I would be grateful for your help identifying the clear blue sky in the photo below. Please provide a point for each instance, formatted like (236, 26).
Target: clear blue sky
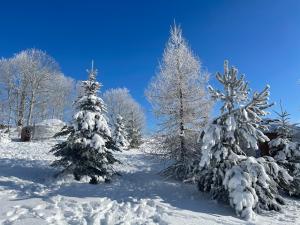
(126, 39)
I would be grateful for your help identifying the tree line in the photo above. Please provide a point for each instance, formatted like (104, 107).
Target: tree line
(33, 88)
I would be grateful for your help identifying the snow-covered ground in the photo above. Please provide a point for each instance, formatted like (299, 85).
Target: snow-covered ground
(30, 195)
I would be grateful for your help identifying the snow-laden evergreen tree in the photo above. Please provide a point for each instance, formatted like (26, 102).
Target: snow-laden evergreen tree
(88, 150)
(120, 102)
(134, 132)
(120, 134)
(284, 150)
(179, 99)
(247, 183)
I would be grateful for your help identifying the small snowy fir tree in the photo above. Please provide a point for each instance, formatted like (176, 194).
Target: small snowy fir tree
(134, 133)
(284, 150)
(88, 148)
(247, 183)
(120, 134)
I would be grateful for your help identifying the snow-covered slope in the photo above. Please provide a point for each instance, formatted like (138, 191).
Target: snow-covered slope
(30, 195)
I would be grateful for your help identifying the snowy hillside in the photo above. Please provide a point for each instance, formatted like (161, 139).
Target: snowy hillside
(30, 195)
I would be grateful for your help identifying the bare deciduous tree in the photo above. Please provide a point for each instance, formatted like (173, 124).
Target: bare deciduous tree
(178, 96)
(37, 69)
(33, 86)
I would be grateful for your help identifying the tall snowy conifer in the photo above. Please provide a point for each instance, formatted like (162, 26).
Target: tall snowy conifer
(249, 184)
(178, 97)
(88, 149)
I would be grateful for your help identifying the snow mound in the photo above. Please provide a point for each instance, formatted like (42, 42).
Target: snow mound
(47, 129)
(4, 138)
(51, 122)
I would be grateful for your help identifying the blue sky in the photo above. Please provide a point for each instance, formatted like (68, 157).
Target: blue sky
(126, 39)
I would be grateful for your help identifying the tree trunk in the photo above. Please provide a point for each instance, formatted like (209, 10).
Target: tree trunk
(32, 101)
(9, 110)
(21, 109)
(182, 147)
(181, 125)
(53, 113)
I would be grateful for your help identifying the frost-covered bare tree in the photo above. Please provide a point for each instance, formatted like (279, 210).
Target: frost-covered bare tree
(8, 78)
(60, 95)
(120, 102)
(38, 69)
(33, 86)
(178, 96)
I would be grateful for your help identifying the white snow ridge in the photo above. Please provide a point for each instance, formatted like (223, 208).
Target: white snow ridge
(47, 128)
(29, 194)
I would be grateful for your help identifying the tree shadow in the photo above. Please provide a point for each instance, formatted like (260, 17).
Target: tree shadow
(35, 179)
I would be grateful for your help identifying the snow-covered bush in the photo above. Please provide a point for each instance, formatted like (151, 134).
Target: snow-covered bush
(88, 148)
(284, 150)
(253, 184)
(120, 134)
(248, 184)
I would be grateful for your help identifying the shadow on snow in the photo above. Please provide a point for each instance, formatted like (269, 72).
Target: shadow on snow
(34, 179)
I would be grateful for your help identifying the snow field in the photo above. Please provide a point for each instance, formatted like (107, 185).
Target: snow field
(30, 195)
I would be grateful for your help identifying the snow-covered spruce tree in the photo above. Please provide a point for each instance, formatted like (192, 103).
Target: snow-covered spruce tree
(179, 100)
(88, 148)
(134, 132)
(120, 102)
(225, 171)
(120, 134)
(284, 150)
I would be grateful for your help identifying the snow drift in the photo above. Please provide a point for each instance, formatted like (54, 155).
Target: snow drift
(47, 129)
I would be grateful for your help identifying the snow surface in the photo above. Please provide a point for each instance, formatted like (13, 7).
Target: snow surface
(30, 195)
(4, 137)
